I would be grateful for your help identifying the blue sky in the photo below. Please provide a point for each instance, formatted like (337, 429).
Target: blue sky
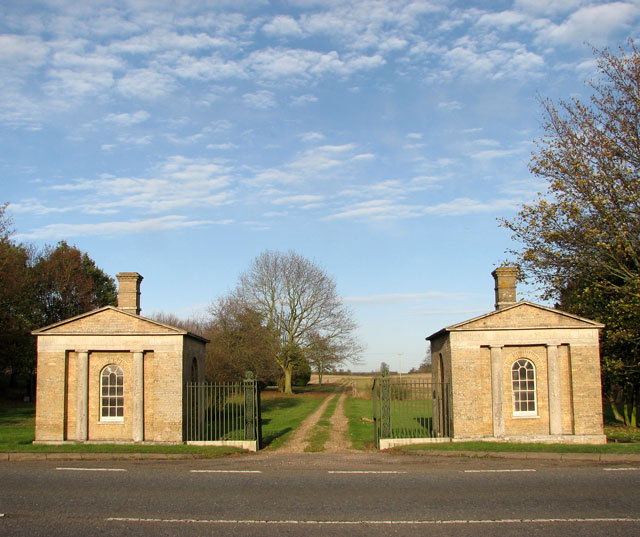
(381, 139)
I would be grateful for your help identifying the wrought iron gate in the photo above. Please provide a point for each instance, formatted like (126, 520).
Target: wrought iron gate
(224, 414)
(410, 411)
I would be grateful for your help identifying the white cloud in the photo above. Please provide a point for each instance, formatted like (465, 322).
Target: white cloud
(450, 105)
(312, 136)
(151, 225)
(592, 24)
(177, 183)
(261, 100)
(66, 83)
(502, 20)
(20, 51)
(275, 63)
(126, 119)
(206, 68)
(145, 84)
(462, 206)
(83, 60)
(489, 154)
(377, 210)
(510, 60)
(387, 209)
(284, 25)
(547, 7)
(302, 199)
(161, 39)
(301, 100)
(223, 146)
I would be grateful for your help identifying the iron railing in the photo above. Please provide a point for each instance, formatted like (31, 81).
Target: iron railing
(223, 412)
(408, 408)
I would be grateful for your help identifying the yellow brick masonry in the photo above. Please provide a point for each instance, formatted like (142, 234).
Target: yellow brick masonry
(112, 337)
(537, 334)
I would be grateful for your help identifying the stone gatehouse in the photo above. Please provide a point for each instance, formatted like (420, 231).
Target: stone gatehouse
(111, 375)
(523, 372)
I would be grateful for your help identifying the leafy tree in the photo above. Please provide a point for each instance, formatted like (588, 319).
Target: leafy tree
(16, 343)
(297, 300)
(41, 288)
(581, 239)
(240, 342)
(66, 283)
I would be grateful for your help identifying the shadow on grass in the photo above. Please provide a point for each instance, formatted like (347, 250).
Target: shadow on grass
(268, 439)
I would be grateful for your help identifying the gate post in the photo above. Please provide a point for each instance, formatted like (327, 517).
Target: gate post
(385, 406)
(374, 398)
(250, 414)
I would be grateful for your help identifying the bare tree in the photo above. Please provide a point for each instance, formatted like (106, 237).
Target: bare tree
(325, 355)
(298, 301)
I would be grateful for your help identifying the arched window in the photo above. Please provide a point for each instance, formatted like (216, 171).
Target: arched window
(194, 370)
(523, 381)
(112, 394)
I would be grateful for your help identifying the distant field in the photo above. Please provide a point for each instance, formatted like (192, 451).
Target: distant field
(360, 385)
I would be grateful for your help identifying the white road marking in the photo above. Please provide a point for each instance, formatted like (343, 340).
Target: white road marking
(630, 469)
(92, 469)
(376, 522)
(226, 471)
(366, 472)
(498, 471)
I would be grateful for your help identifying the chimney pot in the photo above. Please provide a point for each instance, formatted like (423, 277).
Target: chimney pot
(129, 292)
(505, 278)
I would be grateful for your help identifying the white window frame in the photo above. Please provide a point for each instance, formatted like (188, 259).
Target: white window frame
(109, 392)
(524, 386)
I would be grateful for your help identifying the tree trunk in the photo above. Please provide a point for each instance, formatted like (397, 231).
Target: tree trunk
(288, 373)
(614, 408)
(320, 371)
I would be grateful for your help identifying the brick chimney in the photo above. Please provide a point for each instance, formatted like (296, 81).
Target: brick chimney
(129, 292)
(505, 278)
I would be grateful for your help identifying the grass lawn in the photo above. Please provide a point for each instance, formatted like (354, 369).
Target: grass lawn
(17, 422)
(536, 448)
(281, 414)
(322, 431)
(360, 430)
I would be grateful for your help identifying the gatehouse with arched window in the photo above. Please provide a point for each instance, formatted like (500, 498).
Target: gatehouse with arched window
(523, 372)
(111, 375)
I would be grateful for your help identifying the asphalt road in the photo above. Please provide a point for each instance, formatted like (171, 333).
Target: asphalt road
(318, 494)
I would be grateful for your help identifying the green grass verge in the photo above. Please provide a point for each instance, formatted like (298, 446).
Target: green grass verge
(535, 448)
(17, 425)
(360, 430)
(322, 431)
(282, 414)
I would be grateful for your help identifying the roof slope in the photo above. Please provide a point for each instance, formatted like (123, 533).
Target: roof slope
(522, 316)
(110, 320)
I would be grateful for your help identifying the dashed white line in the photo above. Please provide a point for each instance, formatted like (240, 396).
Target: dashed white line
(376, 522)
(70, 469)
(629, 469)
(498, 471)
(366, 472)
(226, 471)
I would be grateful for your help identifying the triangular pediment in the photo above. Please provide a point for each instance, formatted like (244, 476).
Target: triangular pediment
(523, 315)
(106, 321)
(526, 315)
